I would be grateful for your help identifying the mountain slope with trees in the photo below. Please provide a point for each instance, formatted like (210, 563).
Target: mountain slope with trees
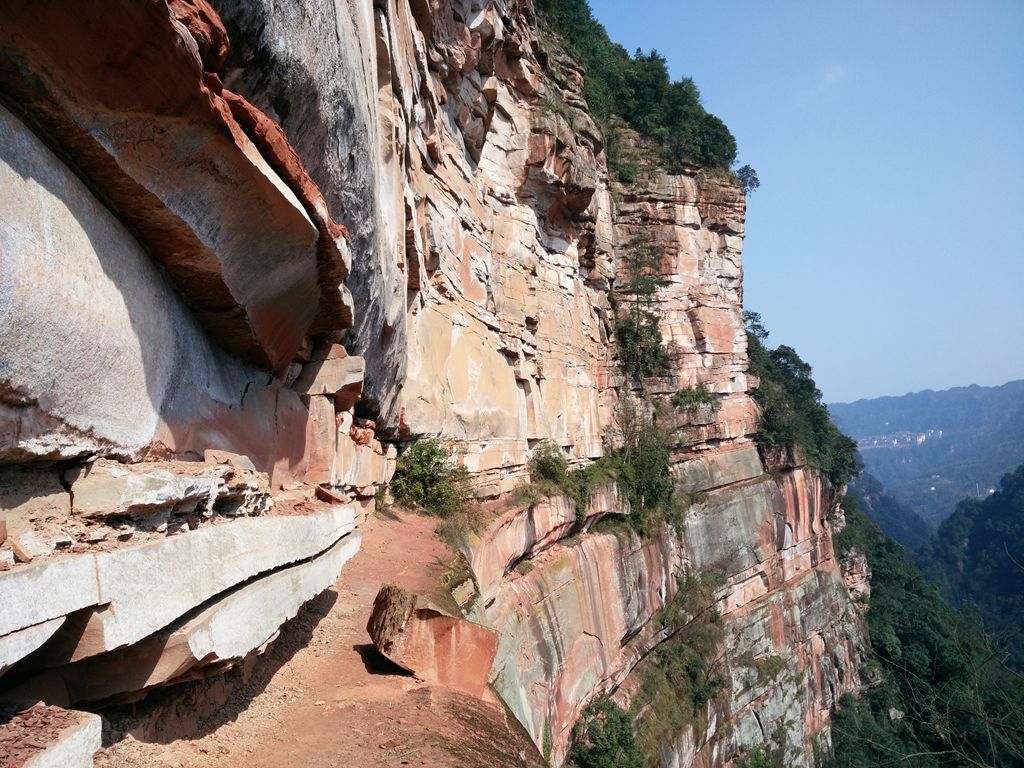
(977, 558)
(952, 444)
(937, 692)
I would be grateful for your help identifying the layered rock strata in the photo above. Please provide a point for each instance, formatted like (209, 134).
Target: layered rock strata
(191, 190)
(181, 464)
(582, 618)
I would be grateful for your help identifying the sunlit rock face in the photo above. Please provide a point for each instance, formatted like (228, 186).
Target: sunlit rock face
(174, 407)
(245, 241)
(582, 617)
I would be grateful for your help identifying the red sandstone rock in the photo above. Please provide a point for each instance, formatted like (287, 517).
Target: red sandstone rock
(361, 436)
(206, 28)
(434, 646)
(130, 106)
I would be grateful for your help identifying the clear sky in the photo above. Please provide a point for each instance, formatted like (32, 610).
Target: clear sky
(886, 243)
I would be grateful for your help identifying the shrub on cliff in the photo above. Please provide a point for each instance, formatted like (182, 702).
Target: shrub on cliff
(792, 413)
(940, 694)
(428, 477)
(603, 738)
(689, 398)
(548, 464)
(642, 350)
(640, 90)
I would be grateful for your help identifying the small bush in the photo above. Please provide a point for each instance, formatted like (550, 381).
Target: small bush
(681, 675)
(689, 398)
(641, 345)
(429, 478)
(603, 738)
(548, 463)
(759, 757)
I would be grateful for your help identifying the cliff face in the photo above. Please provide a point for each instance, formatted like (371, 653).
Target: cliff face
(200, 202)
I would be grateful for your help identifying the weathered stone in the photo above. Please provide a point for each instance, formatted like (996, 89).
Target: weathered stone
(146, 137)
(321, 442)
(206, 29)
(220, 632)
(718, 469)
(20, 643)
(35, 593)
(108, 488)
(154, 377)
(530, 529)
(197, 566)
(78, 739)
(342, 378)
(430, 643)
(231, 459)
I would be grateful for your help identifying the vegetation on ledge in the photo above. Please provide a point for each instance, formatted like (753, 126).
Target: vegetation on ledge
(428, 477)
(793, 415)
(940, 695)
(689, 398)
(638, 89)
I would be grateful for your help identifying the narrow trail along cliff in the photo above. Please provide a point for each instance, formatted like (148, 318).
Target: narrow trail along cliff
(266, 264)
(324, 698)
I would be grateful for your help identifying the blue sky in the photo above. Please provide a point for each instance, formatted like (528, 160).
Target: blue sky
(886, 243)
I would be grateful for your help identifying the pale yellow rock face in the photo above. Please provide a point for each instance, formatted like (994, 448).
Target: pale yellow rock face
(512, 239)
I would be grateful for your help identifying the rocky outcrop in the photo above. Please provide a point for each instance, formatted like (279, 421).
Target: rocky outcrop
(420, 636)
(243, 242)
(581, 618)
(181, 466)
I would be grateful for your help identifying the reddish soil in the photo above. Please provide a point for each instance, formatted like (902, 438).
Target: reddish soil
(321, 696)
(26, 733)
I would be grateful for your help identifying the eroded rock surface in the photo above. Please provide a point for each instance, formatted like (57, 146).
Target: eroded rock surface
(244, 242)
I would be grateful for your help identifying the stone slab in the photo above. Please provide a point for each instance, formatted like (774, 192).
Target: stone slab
(223, 631)
(150, 586)
(74, 747)
(20, 643)
(32, 594)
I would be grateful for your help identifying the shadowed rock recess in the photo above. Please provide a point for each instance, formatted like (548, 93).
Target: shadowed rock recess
(250, 250)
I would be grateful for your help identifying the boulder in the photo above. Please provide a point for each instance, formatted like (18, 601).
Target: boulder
(428, 641)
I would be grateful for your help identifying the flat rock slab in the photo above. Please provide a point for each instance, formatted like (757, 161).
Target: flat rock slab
(140, 590)
(218, 634)
(20, 643)
(49, 737)
(194, 567)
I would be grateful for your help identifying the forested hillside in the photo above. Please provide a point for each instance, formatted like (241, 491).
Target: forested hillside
(977, 558)
(894, 518)
(938, 692)
(932, 449)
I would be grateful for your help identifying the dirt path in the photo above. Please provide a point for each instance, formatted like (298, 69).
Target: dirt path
(321, 696)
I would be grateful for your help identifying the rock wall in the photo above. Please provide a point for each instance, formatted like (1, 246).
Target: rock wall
(581, 619)
(175, 408)
(243, 242)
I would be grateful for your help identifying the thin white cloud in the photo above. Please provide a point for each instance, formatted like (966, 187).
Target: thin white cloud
(830, 78)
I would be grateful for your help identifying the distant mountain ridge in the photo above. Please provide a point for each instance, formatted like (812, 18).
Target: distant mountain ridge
(932, 449)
